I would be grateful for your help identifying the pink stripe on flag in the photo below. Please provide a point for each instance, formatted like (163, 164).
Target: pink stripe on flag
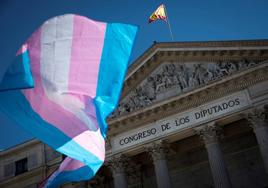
(88, 41)
(48, 110)
(93, 142)
(70, 164)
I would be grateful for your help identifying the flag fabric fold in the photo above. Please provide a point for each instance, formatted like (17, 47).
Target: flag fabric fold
(158, 14)
(77, 69)
(19, 75)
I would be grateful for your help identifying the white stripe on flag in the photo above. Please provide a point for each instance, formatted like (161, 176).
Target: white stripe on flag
(56, 45)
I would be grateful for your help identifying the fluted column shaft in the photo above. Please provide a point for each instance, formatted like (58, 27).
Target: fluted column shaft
(259, 123)
(210, 135)
(120, 180)
(158, 153)
(262, 138)
(118, 167)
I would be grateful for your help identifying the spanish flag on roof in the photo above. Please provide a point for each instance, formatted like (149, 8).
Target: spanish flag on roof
(158, 14)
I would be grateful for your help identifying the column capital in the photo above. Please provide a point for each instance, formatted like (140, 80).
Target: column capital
(157, 150)
(117, 163)
(258, 117)
(209, 133)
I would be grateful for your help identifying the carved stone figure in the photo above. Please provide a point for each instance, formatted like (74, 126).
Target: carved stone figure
(167, 81)
(171, 69)
(200, 73)
(216, 70)
(231, 67)
(223, 71)
(251, 63)
(193, 82)
(181, 77)
(242, 64)
(149, 88)
(175, 79)
(208, 76)
(158, 82)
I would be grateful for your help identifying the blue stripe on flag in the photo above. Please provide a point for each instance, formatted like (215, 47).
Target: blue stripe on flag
(118, 44)
(18, 75)
(79, 174)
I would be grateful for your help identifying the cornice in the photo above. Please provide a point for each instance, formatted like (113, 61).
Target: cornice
(190, 100)
(20, 148)
(196, 44)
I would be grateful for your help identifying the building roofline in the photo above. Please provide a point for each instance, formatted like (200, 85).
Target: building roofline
(192, 44)
(19, 147)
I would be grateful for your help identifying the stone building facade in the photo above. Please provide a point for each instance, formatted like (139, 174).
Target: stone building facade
(191, 114)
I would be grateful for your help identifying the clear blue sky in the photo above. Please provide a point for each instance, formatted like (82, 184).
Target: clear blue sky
(191, 20)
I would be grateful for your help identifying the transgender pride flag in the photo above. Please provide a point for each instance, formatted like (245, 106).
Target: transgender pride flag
(75, 69)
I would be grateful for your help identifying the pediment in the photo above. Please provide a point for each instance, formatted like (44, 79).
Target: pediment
(171, 79)
(170, 74)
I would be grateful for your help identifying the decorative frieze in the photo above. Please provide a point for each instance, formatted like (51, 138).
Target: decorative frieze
(171, 79)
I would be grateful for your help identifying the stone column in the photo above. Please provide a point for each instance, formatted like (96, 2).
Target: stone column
(118, 166)
(158, 151)
(259, 122)
(210, 135)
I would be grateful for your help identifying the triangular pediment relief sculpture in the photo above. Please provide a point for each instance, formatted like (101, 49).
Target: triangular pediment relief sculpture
(171, 79)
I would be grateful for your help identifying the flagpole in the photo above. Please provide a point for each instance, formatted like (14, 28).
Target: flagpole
(168, 24)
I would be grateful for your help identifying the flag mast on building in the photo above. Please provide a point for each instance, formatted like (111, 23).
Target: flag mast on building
(161, 14)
